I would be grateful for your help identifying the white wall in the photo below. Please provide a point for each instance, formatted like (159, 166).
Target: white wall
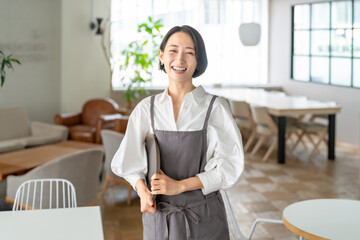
(84, 71)
(347, 125)
(62, 60)
(31, 30)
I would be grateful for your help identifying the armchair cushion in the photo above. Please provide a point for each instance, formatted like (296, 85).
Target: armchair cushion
(83, 133)
(18, 132)
(11, 145)
(14, 123)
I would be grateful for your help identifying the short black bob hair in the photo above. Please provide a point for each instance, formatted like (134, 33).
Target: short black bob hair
(200, 51)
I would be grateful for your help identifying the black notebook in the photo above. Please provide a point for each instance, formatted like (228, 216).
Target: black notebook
(153, 158)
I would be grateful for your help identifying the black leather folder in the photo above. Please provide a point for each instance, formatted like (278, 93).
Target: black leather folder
(153, 158)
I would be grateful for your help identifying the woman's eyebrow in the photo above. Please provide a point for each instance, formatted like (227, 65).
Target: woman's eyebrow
(185, 47)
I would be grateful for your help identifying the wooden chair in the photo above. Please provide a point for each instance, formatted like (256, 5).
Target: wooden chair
(45, 193)
(244, 119)
(267, 130)
(111, 141)
(313, 128)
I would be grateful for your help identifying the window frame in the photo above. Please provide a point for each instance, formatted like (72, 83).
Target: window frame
(330, 56)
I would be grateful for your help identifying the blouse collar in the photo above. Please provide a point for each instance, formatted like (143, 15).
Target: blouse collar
(197, 94)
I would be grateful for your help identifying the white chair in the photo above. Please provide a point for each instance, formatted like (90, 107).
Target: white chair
(234, 229)
(45, 193)
(244, 120)
(111, 140)
(267, 129)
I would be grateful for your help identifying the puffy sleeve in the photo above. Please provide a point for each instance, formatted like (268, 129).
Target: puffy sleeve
(225, 155)
(130, 161)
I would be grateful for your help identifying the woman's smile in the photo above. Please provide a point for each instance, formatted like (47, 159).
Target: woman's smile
(179, 57)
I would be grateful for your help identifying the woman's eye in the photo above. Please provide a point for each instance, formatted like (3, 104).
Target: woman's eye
(190, 53)
(172, 51)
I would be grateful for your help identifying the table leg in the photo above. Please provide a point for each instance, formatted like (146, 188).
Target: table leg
(331, 140)
(281, 139)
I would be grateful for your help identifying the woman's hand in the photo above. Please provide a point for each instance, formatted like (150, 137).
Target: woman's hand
(147, 205)
(162, 184)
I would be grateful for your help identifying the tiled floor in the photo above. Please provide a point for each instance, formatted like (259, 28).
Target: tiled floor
(265, 190)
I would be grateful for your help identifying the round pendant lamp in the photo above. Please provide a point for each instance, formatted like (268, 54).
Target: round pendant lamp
(249, 30)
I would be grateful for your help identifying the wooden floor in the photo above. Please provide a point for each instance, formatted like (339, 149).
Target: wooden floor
(265, 190)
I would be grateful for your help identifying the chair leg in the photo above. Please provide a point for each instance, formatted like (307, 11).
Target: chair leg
(106, 184)
(321, 137)
(297, 142)
(311, 139)
(258, 145)
(129, 195)
(250, 140)
(270, 150)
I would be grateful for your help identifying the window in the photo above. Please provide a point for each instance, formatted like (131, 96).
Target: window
(326, 43)
(229, 62)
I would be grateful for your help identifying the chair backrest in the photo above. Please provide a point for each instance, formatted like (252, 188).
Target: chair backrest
(82, 169)
(111, 141)
(14, 123)
(262, 117)
(45, 193)
(92, 110)
(240, 109)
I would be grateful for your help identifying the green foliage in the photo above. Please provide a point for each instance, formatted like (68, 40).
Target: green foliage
(139, 59)
(6, 62)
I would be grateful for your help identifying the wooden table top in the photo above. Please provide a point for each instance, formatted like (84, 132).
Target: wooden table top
(24, 160)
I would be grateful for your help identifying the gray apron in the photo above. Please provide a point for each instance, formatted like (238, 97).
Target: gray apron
(189, 215)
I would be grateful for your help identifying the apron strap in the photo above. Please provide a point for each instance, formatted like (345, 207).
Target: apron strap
(152, 111)
(209, 111)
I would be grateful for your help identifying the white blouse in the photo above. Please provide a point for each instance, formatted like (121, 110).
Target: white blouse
(225, 156)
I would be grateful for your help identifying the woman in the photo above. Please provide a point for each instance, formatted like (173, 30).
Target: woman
(200, 147)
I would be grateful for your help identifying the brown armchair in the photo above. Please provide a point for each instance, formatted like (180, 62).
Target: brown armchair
(96, 114)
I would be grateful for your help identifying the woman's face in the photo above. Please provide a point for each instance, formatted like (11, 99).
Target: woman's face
(179, 57)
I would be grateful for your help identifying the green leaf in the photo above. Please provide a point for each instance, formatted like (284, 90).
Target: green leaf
(144, 43)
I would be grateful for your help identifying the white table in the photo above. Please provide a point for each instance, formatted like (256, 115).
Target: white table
(324, 219)
(281, 106)
(83, 223)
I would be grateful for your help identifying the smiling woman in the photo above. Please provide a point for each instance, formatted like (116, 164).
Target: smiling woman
(200, 148)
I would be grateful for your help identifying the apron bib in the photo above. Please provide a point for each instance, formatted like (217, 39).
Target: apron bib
(189, 215)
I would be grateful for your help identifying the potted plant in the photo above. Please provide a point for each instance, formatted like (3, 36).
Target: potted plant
(140, 56)
(6, 62)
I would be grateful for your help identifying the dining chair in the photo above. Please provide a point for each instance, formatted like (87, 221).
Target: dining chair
(82, 169)
(314, 127)
(111, 140)
(234, 230)
(244, 120)
(45, 193)
(267, 130)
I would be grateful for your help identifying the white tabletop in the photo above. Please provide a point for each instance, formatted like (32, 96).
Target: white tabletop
(278, 103)
(83, 223)
(324, 219)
